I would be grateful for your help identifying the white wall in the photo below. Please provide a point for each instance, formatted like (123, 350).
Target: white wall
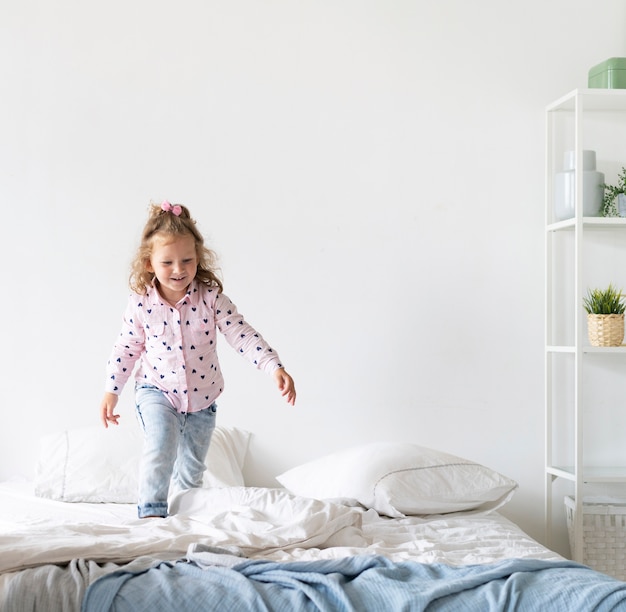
(371, 174)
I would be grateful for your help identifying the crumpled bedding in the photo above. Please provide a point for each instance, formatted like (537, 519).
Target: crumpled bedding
(52, 550)
(59, 588)
(268, 524)
(256, 521)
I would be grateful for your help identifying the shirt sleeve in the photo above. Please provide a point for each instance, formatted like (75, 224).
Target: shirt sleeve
(243, 337)
(127, 349)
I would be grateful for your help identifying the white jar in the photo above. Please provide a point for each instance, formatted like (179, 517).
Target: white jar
(565, 187)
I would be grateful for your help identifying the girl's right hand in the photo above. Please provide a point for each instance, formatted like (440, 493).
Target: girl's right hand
(107, 408)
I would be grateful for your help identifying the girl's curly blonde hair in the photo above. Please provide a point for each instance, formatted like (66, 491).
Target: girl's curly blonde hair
(164, 222)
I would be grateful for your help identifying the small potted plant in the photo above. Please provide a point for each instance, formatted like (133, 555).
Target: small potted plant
(614, 201)
(605, 316)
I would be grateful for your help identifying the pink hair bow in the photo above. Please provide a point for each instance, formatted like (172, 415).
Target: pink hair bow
(175, 210)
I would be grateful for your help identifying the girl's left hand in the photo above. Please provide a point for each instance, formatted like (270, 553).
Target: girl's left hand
(286, 385)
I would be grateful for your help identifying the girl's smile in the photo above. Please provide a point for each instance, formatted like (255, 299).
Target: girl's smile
(174, 264)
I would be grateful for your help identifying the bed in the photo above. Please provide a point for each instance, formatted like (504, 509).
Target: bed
(380, 526)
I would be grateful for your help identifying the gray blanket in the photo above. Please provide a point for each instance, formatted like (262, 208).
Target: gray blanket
(60, 588)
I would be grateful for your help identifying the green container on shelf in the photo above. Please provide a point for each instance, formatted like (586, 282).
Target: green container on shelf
(610, 74)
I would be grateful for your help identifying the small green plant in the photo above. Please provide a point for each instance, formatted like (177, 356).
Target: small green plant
(609, 202)
(607, 301)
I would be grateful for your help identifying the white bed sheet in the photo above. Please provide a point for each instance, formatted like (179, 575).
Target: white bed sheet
(254, 522)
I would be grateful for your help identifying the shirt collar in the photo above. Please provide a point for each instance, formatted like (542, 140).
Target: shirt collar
(192, 297)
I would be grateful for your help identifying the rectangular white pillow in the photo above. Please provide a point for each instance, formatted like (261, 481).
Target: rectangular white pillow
(94, 464)
(399, 479)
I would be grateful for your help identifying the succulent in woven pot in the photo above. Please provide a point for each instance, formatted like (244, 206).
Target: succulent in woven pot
(605, 316)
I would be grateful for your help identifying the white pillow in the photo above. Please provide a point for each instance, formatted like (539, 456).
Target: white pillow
(95, 464)
(401, 479)
(226, 457)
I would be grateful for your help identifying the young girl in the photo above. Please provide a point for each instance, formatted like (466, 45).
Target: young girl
(169, 327)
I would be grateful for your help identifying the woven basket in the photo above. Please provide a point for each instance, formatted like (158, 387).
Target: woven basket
(605, 330)
(604, 536)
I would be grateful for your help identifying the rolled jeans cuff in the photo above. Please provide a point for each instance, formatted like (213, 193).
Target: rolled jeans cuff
(152, 509)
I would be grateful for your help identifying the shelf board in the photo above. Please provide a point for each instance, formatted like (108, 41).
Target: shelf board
(605, 349)
(616, 474)
(588, 223)
(561, 472)
(560, 349)
(591, 100)
(555, 348)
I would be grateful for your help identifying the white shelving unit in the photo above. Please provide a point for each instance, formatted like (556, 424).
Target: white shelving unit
(585, 391)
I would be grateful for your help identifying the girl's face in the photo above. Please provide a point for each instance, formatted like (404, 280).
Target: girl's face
(174, 263)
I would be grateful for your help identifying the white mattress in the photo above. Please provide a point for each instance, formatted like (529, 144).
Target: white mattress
(254, 522)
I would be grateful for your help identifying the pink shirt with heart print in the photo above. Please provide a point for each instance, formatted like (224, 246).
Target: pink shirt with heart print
(176, 346)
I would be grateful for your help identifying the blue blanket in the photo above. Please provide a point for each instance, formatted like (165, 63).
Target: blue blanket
(358, 584)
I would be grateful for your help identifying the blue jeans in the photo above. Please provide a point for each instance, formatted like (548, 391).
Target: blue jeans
(174, 449)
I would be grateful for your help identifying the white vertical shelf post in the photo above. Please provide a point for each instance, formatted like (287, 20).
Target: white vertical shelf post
(548, 325)
(578, 329)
